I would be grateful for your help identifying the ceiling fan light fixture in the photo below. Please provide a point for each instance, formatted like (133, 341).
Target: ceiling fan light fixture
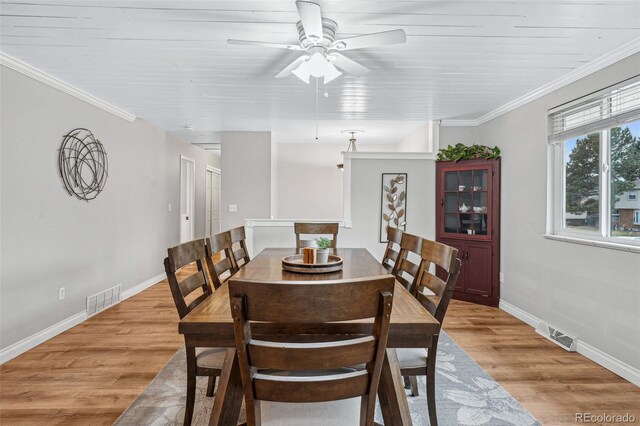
(331, 74)
(303, 72)
(318, 65)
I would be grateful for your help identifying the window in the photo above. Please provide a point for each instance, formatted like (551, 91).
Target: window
(595, 146)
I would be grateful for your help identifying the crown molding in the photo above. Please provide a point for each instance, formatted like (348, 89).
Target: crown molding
(597, 64)
(36, 74)
(458, 123)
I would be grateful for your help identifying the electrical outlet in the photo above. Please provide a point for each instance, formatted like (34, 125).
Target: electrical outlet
(62, 293)
(501, 277)
(169, 206)
(233, 208)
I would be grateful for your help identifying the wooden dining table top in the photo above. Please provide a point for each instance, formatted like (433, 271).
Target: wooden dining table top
(411, 325)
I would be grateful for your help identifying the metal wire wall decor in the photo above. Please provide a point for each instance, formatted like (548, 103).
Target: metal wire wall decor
(83, 164)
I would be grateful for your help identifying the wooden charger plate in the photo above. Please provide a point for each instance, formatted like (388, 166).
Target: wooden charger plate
(294, 264)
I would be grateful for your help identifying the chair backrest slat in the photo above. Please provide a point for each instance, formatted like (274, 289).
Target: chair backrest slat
(315, 229)
(392, 251)
(238, 239)
(178, 257)
(307, 356)
(217, 246)
(445, 257)
(191, 283)
(406, 271)
(290, 303)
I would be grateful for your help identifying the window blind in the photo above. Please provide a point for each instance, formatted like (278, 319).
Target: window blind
(606, 109)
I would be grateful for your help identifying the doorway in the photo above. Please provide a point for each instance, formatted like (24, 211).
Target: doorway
(187, 198)
(212, 202)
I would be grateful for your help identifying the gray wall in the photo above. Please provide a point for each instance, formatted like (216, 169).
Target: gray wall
(246, 176)
(592, 292)
(365, 206)
(50, 239)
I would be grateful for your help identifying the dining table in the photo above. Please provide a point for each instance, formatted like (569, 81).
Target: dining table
(210, 325)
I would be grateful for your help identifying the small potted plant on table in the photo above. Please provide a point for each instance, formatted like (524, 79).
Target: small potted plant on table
(324, 244)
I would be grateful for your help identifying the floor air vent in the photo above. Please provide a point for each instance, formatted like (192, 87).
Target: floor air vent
(102, 300)
(557, 336)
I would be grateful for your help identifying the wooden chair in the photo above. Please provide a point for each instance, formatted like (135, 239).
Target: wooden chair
(406, 270)
(315, 229)
(200, 361)
(307, 378)
(217, 246)
(391, 253)
(238, 239)
(434, 294)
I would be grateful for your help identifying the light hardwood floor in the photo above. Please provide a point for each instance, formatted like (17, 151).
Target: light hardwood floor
(91, 373)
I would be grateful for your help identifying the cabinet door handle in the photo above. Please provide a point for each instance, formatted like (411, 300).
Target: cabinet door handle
(442, 201)
(466, 255)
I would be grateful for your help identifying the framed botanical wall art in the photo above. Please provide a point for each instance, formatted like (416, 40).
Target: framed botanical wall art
(393, 210)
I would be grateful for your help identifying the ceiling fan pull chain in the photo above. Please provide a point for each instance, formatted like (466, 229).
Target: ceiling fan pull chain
(317, 108)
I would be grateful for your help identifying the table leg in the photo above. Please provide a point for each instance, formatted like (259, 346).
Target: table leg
(393, 399)
(228, 400)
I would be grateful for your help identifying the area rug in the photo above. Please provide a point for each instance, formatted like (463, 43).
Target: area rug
(465, 395)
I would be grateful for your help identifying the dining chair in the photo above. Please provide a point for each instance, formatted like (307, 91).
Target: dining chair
(300, 378)
(200, 361)
(315, 229)
(392, 251)
(219, 247)
(241, 254)
(434, 294)
(409, 266)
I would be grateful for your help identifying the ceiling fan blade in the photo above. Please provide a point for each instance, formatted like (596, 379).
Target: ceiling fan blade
(370, 40)
(311, 18)
(264, 44)
(292, 66)
(349, 65)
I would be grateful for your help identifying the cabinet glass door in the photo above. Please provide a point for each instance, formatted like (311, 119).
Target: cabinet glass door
(466, 201)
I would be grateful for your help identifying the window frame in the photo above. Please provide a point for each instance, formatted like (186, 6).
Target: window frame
(635, 195)
(556, 186)
(636, 217)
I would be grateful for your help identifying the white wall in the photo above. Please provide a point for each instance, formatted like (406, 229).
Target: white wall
(309, 183)
(52, 240)
(307, 180)
(451, 135)
(365, 202)
(421, 139)
(246, 176)
(589, 291)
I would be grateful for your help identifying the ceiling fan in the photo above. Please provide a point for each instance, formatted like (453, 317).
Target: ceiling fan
(316, 37)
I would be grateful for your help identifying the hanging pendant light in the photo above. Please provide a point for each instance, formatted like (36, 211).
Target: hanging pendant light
(352, 143)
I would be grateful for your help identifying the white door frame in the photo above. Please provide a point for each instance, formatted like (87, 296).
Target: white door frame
(210, 168)
(191, 207)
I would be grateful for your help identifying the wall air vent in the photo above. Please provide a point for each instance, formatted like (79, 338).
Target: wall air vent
(557, 336)
(102, 300)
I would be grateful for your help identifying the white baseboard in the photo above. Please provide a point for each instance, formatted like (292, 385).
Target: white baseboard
(612, 364)
(519, 313)
(143, 286)
(34, 340)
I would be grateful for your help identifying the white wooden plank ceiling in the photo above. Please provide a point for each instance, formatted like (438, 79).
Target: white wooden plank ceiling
(168, 61)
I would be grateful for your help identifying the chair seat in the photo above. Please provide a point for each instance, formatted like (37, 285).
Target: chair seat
(344, 412)
(210, 357)
(412, 358)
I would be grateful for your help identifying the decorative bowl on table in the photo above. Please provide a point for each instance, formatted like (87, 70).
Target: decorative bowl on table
(464, 208)
(295, 263)
(479, 209)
